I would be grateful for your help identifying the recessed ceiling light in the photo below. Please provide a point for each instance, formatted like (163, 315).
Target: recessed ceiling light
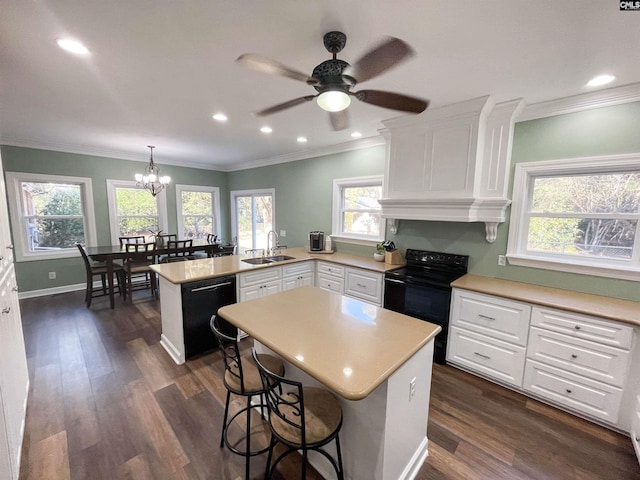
(600, 80)
(220, 117)
(356, 134)
(301, 139)
(266, 129)
(73, 46)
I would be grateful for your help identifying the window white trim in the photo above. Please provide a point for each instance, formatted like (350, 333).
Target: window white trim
(14, 179)
(245, 193)
(336, 222)
(215, 191)
(161, 200)
(522, 194)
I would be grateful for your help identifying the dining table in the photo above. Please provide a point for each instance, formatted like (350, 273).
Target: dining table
(110, 253)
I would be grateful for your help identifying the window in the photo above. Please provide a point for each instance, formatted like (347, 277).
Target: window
(49, 214)
(578, 215)
(134, 211)
(253, 216)
(356, 212)
(198, 211)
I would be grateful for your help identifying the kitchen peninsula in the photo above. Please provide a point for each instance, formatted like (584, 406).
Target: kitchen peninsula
(377, 362)
(350, 274)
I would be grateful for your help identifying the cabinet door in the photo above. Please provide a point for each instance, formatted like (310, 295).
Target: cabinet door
(301, 280)
(250, 293)
(330, 283)
(270, 288)
(364, 285)
(14, 376)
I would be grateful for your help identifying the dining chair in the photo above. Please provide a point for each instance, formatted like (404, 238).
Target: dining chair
(302, 419)
(138, 259)
(132, 239)
(163, 239)
(241, 377)
(178, 251)
(93, 269)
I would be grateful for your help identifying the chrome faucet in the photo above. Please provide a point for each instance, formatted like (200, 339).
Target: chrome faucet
(271, 249)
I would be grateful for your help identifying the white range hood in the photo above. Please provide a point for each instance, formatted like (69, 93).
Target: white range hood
(450, 164)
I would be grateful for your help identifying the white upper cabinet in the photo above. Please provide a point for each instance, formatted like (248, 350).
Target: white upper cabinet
(450, 163)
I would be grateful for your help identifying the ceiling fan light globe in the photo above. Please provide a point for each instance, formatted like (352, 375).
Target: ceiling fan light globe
(333, 100)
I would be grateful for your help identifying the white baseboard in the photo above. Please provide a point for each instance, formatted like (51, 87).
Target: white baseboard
(52, 291)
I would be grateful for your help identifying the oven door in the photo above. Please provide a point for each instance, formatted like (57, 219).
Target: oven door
(424, 301)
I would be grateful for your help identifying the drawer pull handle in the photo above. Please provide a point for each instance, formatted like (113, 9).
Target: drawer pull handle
(574, 355)
(361, 285)
(486, 317)
(568, 390)
(486, 357)
(6, 310)
(577, 327)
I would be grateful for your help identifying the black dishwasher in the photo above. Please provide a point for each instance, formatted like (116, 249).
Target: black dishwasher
(200, 300)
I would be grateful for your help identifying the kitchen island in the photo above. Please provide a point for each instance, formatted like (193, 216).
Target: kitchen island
(199, 276)
(377, 362)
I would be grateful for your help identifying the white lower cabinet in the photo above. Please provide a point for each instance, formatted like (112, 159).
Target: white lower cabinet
(576, 392)
(494, 358)
(488, 335)
(635, 426)
(330, 276)
(296, 275)
(364, 285)
(574, 361)
(259, 283)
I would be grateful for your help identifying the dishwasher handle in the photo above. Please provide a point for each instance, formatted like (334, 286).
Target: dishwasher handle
(210, 287)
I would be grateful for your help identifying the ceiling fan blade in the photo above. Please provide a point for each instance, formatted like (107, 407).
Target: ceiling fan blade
(339, 120)
(391, 100)
(284, 106)
(381, 58)
(266, 65)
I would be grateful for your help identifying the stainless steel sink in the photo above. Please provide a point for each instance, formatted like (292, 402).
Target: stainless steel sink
(280, 258)
(263, 260)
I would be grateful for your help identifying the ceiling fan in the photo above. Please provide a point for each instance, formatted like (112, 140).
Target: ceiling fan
(333, 79)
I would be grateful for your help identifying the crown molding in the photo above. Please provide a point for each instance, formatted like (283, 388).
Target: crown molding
(123, 155)
(585, 101)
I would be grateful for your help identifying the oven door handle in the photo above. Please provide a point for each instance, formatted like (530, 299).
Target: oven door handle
(413, 282)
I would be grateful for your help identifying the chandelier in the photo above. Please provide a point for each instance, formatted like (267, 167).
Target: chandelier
(151, 179)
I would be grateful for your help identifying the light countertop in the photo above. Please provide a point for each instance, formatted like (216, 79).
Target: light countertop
(598, 305)
(194, 270)
(348, 345)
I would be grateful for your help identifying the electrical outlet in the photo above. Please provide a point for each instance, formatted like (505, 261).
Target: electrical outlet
(283, 233)
(52, 275)
(412, 388)
(502, 260)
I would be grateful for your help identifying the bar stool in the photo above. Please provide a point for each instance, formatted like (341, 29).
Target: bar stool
(241, 377)
(302, 419)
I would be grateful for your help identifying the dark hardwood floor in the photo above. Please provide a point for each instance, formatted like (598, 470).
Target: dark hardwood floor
(107, 402)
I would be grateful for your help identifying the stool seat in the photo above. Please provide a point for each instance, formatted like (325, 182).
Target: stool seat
(251, 383)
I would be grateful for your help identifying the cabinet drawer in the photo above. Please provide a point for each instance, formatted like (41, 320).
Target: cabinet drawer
(331, 269)
(573, 391)
(594, 360)
(263, 275)
(494, 358)
(331, 283)
(496, 317)
(595, 329)
(364, 285)
(297, 268)
(635, 427)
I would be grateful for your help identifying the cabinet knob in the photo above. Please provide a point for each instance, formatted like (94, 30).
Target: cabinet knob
(1, 257)
(6, 310)
(568, 390)
(577, 327)
(637, 438)
(15, 289)
(10, 247)
(574, 355)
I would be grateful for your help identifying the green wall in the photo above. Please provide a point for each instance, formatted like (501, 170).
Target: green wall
(33, 275)
(304, 188)
(303, 194)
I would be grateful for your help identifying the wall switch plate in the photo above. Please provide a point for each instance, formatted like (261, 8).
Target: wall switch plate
(502, 260)
(52, 275)
(283, 233)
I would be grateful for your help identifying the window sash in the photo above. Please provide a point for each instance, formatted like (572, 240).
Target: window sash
(19, 217)
(518, 251)
(340, 210)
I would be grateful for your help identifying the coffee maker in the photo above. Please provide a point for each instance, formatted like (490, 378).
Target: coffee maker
(316, 241)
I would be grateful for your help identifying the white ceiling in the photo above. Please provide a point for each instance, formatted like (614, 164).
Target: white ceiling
(159, 69)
